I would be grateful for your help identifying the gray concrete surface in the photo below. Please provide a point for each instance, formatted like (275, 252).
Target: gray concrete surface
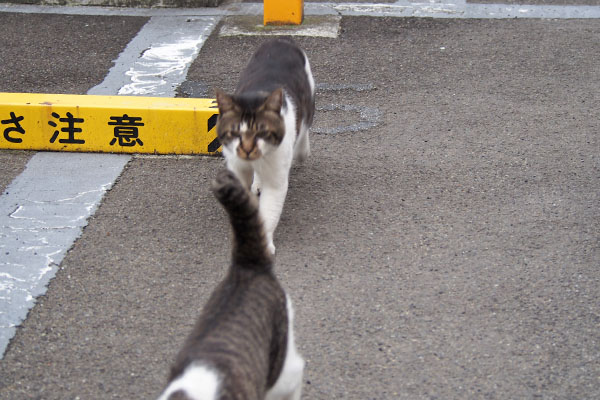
(449, 251)
(12, 163)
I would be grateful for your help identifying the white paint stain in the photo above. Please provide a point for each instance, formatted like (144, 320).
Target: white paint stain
(368, 117)
(164, 65)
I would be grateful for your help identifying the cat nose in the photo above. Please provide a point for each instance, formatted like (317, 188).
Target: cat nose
(245, 151)
(247, 146)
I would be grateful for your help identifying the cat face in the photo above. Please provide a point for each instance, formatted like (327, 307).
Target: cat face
(248, 125)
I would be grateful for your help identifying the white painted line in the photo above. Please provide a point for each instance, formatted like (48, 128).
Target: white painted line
(44, 209)
(434, 9)
(176, 157)
(42, 212)
(164, 64)
(454, 9)
(234, 9)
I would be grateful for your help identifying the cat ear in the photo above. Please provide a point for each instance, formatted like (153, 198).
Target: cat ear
(224, 101)
(275, 101)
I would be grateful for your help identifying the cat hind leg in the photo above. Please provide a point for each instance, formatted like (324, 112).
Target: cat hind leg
(302, 145)
(289, 383)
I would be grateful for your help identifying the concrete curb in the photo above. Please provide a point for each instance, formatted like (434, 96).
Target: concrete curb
(124, 3)
(459, 9)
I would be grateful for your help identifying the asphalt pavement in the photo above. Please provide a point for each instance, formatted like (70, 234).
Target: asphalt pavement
(441, 242)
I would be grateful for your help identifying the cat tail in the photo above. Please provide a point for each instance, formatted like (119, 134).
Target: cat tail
(249, 241)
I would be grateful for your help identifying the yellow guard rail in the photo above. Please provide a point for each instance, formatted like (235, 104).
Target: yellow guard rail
(112, 124)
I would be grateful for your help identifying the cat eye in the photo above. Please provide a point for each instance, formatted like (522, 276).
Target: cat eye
(232, 133)
(264, 134)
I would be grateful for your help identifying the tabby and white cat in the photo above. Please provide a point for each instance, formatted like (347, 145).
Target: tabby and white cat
(264, 125)
(242, 346)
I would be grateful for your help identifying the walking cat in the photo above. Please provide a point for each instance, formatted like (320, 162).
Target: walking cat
(264, 125)
(242, 347)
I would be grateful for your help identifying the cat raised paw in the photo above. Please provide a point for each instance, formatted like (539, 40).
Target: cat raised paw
(227, 189)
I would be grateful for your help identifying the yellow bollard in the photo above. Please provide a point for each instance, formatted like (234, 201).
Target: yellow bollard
(111, 124)
(283, 12)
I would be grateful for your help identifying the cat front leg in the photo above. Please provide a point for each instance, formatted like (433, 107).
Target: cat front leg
(242, 170)
(270, 207)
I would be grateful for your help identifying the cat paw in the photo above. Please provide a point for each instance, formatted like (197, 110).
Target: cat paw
(228, 189)
(301, 157)
(255, 188)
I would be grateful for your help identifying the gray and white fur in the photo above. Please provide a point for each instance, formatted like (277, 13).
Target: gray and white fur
(242, 346)
(264, 125)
